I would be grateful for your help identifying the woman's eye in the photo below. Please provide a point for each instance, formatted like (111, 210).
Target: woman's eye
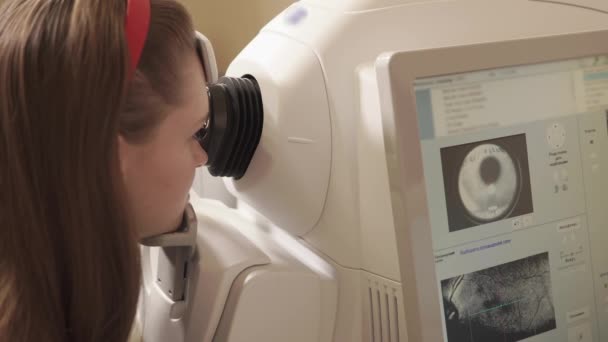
(201, 133)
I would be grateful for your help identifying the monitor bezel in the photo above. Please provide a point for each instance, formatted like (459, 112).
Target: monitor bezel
(396, 72)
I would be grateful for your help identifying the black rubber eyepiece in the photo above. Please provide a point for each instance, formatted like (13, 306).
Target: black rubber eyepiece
(236, 120)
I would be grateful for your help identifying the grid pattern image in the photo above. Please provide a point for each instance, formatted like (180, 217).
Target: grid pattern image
(504, 303)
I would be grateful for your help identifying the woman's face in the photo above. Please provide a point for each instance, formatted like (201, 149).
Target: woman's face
(159, 172)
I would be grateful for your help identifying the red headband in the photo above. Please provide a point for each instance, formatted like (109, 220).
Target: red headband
(137, 23)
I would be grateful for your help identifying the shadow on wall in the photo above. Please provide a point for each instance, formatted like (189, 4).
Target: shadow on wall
(232, 24)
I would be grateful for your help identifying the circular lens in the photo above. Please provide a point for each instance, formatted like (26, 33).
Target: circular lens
(235, 126)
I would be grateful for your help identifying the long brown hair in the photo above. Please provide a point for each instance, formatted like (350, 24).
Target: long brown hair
(69, 259)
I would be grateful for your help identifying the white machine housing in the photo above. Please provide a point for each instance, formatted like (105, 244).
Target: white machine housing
(310, 252)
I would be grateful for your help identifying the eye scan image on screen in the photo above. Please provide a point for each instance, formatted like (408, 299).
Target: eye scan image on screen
(515, 165)
(486, 181)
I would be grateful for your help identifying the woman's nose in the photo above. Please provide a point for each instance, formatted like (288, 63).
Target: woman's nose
(200, 157)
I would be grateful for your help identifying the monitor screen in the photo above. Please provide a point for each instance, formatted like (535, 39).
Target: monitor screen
(515, 163)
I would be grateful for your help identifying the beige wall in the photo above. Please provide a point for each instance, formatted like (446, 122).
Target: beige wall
(231, 24)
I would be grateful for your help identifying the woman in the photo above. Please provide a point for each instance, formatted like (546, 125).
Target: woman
(97, 150)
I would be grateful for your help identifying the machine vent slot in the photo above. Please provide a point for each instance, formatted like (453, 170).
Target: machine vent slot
(383, 312)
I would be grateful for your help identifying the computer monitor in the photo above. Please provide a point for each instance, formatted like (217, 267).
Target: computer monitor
(498, 164)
